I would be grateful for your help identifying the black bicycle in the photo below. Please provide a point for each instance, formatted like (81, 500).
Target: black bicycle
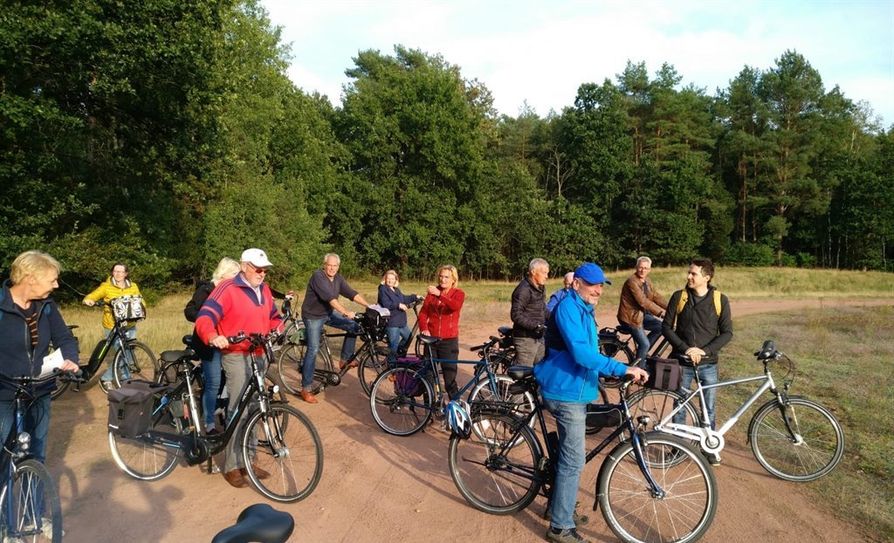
(281, 449)
(651, 487)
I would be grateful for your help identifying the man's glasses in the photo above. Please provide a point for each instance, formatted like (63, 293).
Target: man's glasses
(259, 271)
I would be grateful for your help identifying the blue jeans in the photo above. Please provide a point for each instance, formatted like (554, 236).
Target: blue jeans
(37, 423)
(131, 333)
(644, 336)
(397, 337)
(707, 373)
(571, 423)
(211, 369)
(313, 328)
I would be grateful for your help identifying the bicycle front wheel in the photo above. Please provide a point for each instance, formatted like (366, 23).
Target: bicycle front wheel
(283, 454)
(634, 513)
(495, 469)
(136, 361)
(30, 510)
(657, 405)
(798, 441)
(401, 401)
(141, 458)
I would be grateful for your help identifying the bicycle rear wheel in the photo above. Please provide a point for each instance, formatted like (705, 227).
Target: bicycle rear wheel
(519, 404)
(371, 366)
(143, 459)
(401, 401)
(495, 469)
(30, 510)
(288, 367)
(803, 444)
(136, 361)
(635, 514)
(283, 454)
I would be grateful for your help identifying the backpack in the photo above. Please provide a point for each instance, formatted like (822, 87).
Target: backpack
(684, 297)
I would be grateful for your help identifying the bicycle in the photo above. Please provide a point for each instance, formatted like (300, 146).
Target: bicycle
(367, 357)
(651, 487)
(29, 503)
(404, 398)
(132, 357)
(258, 522)
(281, 449)
(618, 343)
(62, 383)
(793, 438)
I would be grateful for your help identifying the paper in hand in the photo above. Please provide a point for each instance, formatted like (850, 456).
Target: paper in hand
(51, 362)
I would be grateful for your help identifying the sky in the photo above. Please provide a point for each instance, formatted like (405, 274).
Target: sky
(539, 52)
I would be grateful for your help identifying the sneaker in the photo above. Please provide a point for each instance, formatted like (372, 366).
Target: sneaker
(568, 535)
(579, 520)
(47, 528)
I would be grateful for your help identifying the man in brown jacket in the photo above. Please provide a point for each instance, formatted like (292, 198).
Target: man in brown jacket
(641, 308)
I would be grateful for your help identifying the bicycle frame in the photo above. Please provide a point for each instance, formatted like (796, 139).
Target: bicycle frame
(708, 438)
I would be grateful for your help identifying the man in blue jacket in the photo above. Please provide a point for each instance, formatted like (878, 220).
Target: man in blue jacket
(569, 380)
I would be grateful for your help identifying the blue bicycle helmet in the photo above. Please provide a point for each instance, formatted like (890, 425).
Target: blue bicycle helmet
(458, 419)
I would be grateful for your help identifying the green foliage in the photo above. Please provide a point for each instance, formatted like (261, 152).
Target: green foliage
(749, 254)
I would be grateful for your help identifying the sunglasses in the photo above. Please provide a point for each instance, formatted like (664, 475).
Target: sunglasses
(259, 271)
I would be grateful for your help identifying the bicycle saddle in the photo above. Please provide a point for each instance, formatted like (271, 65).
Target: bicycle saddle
(173, 356)
(259, 523)
(517, 373)
(428, 340)
(768, 351)
(505, 331)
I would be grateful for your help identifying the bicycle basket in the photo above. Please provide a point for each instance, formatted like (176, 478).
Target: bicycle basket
(128, 308)
(130, 408)
(408, 383)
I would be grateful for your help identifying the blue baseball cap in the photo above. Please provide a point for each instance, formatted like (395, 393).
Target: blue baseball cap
(591, 274)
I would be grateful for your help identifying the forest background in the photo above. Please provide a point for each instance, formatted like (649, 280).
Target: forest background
(166, 135)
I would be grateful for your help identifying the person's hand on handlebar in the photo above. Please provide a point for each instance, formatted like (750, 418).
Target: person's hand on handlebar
(695, 354)
(68, 365)
(220, 342)
(88, 301)
(639, 375)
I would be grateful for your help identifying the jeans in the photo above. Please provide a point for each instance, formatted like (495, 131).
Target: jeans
(644, 336)
(571, 423)
(313, 328)
(211, 369)
(397, 338)
(528, 351)
(37, 424)
(130, 333)
(447, 349)
(707, 373)
(238, 368)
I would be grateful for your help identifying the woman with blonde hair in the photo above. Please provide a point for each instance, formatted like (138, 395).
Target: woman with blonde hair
(439, 317)
(395, 301)
(118, 284)
(226, 269)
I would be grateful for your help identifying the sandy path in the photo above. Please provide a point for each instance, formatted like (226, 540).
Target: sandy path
(377, 487)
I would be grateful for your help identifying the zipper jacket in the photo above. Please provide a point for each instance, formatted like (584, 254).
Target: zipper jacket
(439, 316)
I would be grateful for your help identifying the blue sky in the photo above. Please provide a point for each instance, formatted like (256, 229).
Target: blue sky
(539, 52)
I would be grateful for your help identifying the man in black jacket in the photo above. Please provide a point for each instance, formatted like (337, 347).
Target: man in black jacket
(528, 313)
(698, 323)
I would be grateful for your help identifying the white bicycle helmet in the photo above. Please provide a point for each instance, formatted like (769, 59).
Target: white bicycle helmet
(458, 419)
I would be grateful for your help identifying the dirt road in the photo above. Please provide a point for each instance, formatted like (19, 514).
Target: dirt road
(377, 487)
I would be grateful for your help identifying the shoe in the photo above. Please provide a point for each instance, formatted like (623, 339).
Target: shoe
(213, 431)
(46, 528)
(235, 478)
(579, 520)
(568, 535)
(308, 396)
(342, 365)
(261, 473)
(713, 458)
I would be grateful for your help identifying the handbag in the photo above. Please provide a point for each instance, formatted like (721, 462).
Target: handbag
(664, 373)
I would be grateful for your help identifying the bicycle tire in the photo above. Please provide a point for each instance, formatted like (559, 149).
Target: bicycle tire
(284, 444)
(657, 404)
(142, 459)
(371, 366)
(396, 407)
(142, 365)
(61, 387)
(493, 478)
(522, 404)
(32, 499)
(629, 507)
(819, 450)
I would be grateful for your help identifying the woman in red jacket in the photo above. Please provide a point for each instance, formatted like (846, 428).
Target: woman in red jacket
(439, 317)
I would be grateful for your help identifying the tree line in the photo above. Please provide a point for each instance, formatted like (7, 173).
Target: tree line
(166, 134)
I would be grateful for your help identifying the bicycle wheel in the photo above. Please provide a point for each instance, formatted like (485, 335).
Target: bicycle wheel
(288, 367)
(371, 366)
(658, 404)
(803, 444)
(519, 404)
(136, 361)
(61, 387)
(401, 401)
(142, 459)
(683, 513)
(282, 452)
(30, 509)
(496, 472)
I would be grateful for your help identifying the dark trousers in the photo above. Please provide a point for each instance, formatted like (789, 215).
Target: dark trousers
(447, 349)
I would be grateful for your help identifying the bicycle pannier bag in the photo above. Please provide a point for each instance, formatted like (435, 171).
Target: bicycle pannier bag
(602, 416)
(664, 373)
(130, 408)
(128, 308)
(609, 344)
(404, 382)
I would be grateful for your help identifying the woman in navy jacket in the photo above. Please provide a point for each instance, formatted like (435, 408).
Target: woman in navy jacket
(391, 298)
(29, 322)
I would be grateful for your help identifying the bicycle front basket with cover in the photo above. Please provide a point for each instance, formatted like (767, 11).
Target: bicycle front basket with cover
(375, 319)
(407, 383)
(128, 308)
(130, 408)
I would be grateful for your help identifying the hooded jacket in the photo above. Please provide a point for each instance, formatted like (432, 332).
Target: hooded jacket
(108, 290)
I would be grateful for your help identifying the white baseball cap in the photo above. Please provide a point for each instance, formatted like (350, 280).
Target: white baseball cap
(256, 258)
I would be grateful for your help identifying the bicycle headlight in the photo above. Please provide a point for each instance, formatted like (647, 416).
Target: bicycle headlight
(24, 441)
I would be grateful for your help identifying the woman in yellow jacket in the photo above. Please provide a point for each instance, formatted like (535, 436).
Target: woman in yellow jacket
(115, 286)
